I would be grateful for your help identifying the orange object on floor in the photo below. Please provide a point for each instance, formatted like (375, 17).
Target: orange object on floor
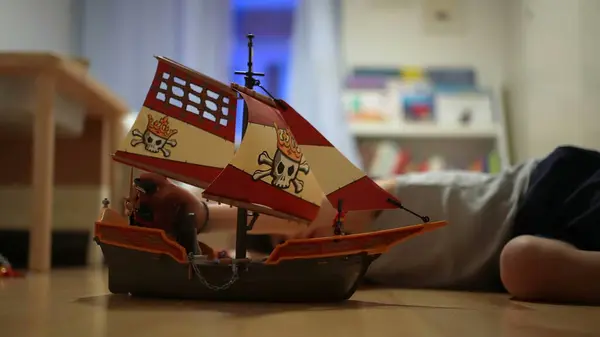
(6, 269)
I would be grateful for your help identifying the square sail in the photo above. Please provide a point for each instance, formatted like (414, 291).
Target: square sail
(269, 173)
(185, 129)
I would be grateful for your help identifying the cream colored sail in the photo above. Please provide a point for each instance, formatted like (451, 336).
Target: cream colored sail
(268, 174)
(186, 128)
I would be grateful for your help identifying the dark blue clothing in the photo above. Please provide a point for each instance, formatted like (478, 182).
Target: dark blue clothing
(563, 199)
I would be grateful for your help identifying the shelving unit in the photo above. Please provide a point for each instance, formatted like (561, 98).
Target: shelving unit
(472, 145)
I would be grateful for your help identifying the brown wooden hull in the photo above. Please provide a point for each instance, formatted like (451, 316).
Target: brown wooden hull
(145, 262)
(327, 279)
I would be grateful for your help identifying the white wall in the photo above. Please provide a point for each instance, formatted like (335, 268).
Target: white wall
(590, 61)
(392, 34)
(545, 84)
(38, 25)
(556, 74)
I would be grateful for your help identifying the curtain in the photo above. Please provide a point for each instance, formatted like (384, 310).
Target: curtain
(120, 37)
(317, 69)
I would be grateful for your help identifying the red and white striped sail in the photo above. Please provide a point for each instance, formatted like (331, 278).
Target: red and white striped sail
(186, 127)
(337, 176)
(283, 167)
(268, 174)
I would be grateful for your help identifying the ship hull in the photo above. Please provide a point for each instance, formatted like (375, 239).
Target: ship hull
(325, 279)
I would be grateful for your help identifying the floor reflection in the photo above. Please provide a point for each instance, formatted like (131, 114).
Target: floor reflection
(75, 303)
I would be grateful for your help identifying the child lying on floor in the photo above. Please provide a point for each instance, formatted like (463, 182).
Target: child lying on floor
(533, 230)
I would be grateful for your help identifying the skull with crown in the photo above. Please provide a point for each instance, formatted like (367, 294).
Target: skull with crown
(285, 164)
(156, 137)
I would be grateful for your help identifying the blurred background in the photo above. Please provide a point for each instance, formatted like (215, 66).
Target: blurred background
(397, 85)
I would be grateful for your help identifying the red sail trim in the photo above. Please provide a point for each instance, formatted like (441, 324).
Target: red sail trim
(236, 186)
(262, 114)
(305, 133)
(193, 174)
(362, 194)
(193, 98)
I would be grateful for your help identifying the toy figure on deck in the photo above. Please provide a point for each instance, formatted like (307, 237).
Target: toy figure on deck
(158, 203)
(338, 223)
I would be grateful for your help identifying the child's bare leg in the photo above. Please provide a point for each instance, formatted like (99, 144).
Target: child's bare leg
(539, 269)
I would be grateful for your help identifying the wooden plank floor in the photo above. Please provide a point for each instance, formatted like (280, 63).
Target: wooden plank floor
(76, 303)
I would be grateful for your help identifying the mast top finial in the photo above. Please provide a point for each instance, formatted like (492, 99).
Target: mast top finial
(249, 74)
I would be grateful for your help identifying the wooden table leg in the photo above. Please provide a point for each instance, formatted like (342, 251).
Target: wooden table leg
(40, 232)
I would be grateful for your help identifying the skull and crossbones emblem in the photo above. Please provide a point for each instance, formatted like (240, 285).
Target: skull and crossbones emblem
(156, 137)
(285, 164)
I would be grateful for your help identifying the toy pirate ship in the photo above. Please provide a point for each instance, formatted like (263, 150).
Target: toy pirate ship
(283, 168)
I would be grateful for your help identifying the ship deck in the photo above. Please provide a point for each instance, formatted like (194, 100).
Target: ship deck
(76, 302)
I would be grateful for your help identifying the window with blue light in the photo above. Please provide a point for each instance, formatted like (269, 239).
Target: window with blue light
(271, 23)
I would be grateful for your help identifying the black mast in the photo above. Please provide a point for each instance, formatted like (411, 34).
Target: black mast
(242, 214)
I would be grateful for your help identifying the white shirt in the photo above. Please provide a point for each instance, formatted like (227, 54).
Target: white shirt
(479, 208)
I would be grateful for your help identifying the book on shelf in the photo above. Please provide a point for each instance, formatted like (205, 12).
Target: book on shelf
(444, 96)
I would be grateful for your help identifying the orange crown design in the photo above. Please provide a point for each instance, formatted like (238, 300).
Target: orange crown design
(286, 143)
(160, 127)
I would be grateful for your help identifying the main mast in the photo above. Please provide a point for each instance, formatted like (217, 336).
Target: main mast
(242, 214)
